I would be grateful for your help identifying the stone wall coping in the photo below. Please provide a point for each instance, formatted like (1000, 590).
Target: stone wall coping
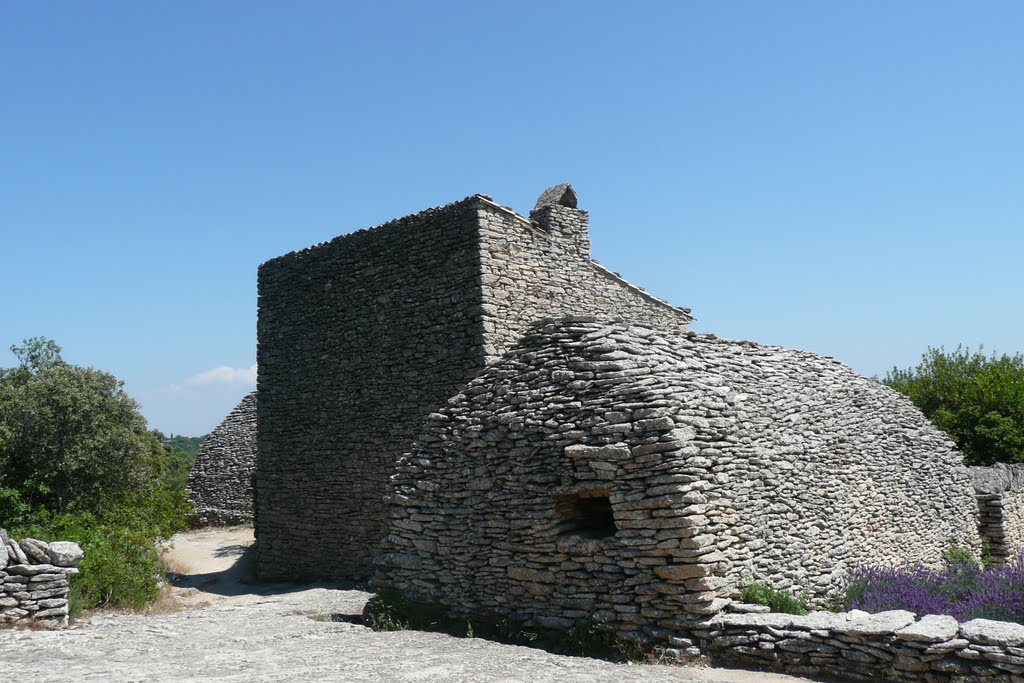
(685, 312)
(465, 202)
(856, 622)
(33, 569)
(998, 478)
(901, 623)
(861, 646)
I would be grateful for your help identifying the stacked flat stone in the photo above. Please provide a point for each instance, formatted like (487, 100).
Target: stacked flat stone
(1000, 492)
(722, 462)
(364, 336)
(34, 580)
(220, 482)
(869, 647)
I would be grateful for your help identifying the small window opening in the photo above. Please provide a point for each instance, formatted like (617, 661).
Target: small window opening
(587, 514)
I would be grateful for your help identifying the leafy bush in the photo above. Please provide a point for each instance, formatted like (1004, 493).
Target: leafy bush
(954, 555)
(77, 463)
(778, 601)
(389, 610)
(961, 589)
(978, 400)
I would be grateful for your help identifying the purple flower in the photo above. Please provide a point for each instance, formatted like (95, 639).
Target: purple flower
(961, 590)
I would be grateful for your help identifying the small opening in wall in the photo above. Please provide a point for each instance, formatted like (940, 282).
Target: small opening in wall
(587, 514)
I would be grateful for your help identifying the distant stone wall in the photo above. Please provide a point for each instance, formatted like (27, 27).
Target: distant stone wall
(615, 472)
(220, 483)
(362, 337)
(34, 580)
(869, 647)
(1000, 493)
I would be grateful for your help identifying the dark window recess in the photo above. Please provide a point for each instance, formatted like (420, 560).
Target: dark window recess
(588, 515)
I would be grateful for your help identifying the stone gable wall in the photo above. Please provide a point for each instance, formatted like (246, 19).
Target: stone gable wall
(359, 339)
(34, 580)
(541, 269)
(722, 462)
(220, 482)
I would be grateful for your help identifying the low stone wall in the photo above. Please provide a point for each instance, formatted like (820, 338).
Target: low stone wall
(34, 580)
(1000, 494)
(868, 647)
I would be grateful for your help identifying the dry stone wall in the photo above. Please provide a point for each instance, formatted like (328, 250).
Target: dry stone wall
(620, 473)
(869, 647)
(34, 580)
(359, 339)
(1000, 492)
(220, 482)
(362, 337)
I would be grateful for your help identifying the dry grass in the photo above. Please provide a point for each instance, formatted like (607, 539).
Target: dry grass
(168, 602)
(173, 565)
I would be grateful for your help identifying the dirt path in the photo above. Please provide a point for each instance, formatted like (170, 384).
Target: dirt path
(212, 565)
(229, 629)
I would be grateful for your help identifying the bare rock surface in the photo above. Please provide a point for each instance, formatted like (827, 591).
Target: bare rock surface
(932, 628)
(288, 632)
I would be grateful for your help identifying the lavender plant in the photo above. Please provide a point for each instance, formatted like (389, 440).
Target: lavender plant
(961, 589)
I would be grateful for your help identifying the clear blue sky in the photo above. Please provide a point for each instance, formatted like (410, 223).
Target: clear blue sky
(841, 177)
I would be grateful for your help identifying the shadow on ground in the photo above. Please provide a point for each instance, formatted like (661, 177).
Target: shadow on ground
(239, 578)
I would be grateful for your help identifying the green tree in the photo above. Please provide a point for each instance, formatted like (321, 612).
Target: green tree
(977, 399)
(72, 438)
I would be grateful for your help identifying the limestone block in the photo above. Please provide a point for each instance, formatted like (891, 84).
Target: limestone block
(64, 553)
(932, 628)
(35, 549)
(679, 572)
(988, 632)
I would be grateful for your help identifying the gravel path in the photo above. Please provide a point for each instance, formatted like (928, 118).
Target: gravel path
(231, 631)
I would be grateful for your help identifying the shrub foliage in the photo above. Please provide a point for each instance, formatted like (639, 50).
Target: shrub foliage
(77, 463)
(977, 399)
(776, 600)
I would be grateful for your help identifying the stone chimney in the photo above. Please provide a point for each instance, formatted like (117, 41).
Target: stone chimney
(556, 213)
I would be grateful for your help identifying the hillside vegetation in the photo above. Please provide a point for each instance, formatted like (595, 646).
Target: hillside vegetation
(187, 444)
(77, 462)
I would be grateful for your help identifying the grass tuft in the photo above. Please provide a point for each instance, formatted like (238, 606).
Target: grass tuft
(776, 600)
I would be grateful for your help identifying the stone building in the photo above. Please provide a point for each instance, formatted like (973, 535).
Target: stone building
(638, 476)
(220, 483)
(362, 337)
(465, 402)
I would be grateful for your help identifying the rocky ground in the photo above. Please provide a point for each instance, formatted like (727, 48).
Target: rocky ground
(217, 627)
